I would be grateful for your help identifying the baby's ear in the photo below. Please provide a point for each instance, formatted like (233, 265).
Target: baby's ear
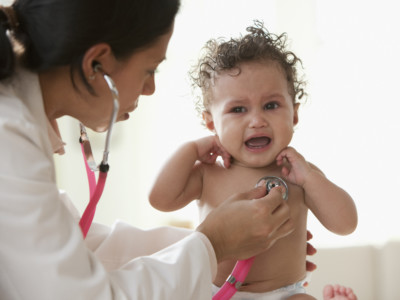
(296, 114)
(208, 120)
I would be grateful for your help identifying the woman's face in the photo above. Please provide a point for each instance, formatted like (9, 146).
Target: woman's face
(133, 77)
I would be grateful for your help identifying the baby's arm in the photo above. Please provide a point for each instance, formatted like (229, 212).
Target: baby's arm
(180, 180)
(332, 205)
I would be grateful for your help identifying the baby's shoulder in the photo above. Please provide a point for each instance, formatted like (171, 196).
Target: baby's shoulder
(213, 168)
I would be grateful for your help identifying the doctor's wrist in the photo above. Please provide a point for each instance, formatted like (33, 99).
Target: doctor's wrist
(212, 240)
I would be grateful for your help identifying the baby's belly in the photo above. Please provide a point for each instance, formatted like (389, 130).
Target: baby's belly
(280, 266)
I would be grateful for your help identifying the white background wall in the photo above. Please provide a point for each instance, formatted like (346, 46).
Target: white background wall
(349, 127)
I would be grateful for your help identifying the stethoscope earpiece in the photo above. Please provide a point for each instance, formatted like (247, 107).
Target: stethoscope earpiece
(96, 66)
(273, 181)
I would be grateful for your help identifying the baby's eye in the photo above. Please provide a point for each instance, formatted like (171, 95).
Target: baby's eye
(238, 109)
(271, 105)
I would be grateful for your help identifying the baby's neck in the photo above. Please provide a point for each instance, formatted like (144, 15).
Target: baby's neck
(268, 168)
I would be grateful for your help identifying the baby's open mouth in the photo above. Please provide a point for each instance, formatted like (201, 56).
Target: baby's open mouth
(258, 142)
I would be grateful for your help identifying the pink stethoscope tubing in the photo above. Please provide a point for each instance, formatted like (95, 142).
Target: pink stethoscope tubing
(96, 189)
(235, 280)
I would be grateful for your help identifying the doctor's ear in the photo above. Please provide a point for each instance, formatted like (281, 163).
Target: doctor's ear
(208, 120)
(97, 57)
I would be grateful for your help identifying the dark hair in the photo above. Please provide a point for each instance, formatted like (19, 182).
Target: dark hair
(59, 32)
(258, 45)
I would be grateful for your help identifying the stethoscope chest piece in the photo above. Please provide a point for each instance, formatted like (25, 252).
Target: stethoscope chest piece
(273, 181)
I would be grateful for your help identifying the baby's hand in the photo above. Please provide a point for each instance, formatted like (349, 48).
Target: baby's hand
(209, 148)
(297, 169)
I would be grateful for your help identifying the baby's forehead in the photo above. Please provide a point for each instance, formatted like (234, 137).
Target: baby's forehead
(247, 78)
(250, 64)
(248, 70)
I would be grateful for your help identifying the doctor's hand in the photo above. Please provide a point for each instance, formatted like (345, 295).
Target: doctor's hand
(247, 224)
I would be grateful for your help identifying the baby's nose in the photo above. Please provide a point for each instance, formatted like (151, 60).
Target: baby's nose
(257, 120)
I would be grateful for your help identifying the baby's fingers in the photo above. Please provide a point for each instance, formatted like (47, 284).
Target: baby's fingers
(227, 159)
(210, 158)
(281, 157)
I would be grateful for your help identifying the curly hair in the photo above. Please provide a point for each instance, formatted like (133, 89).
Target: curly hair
(258, 45)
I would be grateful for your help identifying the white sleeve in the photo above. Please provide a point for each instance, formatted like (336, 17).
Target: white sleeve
(42, 252)
(183, 270)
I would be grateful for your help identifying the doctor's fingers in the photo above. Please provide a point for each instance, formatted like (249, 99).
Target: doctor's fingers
(254, 193)
(274, 215)
(273, 202)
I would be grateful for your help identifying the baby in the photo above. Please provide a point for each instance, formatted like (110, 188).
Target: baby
(250, 101)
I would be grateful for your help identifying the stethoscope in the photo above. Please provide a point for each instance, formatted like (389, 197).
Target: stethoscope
(96, 189)
(242, 267)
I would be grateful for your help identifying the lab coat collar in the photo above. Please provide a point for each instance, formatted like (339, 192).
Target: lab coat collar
(55, 137)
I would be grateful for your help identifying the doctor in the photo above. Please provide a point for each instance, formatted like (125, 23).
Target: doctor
(53, 57)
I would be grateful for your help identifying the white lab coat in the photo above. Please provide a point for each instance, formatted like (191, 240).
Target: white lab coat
(42, 252)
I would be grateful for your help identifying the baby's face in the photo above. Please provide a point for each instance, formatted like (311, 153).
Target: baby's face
(253, 113)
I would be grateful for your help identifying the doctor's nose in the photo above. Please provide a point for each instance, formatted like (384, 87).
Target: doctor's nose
(257, 121)
(149, 86)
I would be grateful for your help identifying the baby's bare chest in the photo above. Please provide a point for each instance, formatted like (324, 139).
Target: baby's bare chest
(287, 254)
(219, 184)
